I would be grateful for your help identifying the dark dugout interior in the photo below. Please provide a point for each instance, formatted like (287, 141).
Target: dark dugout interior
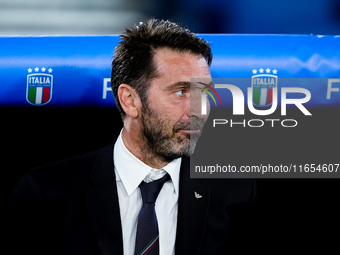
(294, 215)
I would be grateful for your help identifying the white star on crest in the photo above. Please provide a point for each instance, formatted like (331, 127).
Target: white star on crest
(261, 70)
(29, 70)
(50, 70)
(36, 69)
(274, 71)
(254, 71)
(267, 70)
(43, 69)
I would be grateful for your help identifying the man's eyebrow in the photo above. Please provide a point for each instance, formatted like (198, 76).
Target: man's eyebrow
(179, 84)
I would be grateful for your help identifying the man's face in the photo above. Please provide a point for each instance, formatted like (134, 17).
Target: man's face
(170, 127)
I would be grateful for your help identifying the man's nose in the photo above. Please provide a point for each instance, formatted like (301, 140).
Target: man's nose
(199, 103)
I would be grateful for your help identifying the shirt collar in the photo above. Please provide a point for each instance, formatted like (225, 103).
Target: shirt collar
(131, 171)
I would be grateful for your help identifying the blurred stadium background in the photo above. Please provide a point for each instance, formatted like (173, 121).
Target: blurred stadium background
(36, 17)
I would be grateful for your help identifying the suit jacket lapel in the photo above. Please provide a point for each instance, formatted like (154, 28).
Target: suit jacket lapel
(193, 207)
(103, 205)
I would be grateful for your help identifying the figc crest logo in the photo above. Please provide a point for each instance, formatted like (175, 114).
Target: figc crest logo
(39, 86)
(263, 85)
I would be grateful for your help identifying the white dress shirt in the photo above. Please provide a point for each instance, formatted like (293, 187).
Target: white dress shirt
(130, 172)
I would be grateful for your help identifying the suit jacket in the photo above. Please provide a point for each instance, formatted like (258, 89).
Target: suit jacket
(71, 207)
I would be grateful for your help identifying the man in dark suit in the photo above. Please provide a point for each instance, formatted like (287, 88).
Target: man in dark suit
(93, 204)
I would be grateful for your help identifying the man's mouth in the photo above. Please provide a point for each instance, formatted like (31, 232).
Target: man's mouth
(195, 126)
(190, 131)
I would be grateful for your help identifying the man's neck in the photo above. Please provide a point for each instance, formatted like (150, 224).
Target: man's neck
(138, 147)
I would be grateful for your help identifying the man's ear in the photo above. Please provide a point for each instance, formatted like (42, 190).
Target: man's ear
(129, 100)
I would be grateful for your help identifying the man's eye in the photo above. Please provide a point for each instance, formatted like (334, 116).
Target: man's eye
(180, 92)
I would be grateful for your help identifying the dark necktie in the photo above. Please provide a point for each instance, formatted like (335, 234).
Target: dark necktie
(147, 238)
